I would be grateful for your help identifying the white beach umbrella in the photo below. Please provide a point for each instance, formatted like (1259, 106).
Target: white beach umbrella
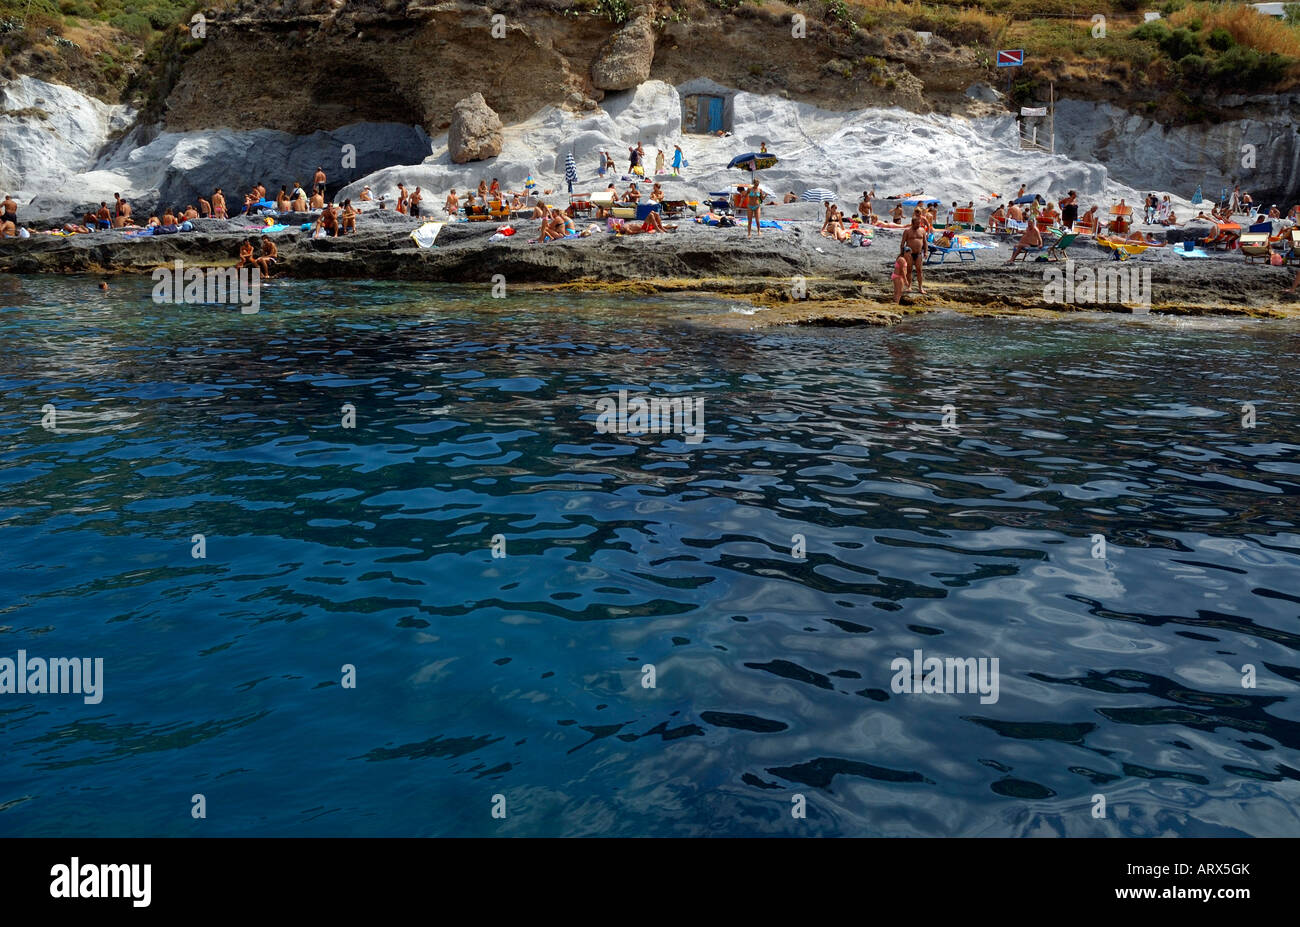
(817, 195)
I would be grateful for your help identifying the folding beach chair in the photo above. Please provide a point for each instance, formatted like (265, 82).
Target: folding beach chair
(1058, 248)
(1254, 245)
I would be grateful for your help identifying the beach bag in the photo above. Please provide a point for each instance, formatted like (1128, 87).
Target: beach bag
(1276, 260)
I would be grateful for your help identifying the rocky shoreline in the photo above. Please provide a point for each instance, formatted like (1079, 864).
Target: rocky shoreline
(796, 274)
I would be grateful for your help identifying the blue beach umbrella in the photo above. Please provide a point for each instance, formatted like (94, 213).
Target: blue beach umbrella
(817, 195)
(753, 161)
(922, 201)
(1028, 198)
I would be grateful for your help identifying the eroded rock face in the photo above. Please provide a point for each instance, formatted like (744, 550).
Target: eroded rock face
(624, 61)
(475, 132)
(49, 132)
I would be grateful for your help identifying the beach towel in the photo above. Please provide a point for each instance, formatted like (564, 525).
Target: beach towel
(770, 224)
(425, 235)
(1194, 253)
(273, 228)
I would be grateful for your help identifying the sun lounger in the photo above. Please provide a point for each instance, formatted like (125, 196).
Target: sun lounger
(1123, 249)
(963, 253)
(1254, 245)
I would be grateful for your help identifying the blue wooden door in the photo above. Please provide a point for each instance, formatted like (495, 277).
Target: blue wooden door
(715, 114)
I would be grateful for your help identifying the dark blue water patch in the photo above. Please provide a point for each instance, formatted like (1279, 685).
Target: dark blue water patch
(826, 525)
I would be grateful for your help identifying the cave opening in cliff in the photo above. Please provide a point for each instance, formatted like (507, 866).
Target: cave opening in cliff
(360, 94)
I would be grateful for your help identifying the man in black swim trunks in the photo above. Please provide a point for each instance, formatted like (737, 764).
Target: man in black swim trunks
(9, 217)
(913, 248)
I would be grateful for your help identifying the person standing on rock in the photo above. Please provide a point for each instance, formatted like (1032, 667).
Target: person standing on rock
(602, 163)
(218, 204)
(634, 153)
(913, 248)
(1069, 210)
(452, 206)
(659, 160)
(678, 160)
(755, 207)
(414, 203)
(319, 178)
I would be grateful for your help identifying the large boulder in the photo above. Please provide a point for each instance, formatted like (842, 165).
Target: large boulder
(475, 131)
(624, 61)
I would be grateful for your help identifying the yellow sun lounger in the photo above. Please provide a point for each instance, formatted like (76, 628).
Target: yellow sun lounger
(1124, 249)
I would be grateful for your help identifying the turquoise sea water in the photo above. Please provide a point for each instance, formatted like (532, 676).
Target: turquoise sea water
(522, 676)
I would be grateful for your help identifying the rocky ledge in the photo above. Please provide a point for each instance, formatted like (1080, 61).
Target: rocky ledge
(801, 276)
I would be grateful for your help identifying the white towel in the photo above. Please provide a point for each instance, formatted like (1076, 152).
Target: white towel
(424, 236)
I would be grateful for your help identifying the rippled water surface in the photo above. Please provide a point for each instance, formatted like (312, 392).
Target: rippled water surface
(522, 676)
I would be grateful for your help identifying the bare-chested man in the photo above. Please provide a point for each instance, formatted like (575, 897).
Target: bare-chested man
(190, 212)
(246, 258)
(317, 199)
(9, 216)
(348, 218)
(270, 254)
(205, 208)
(413, 204)
(319, 178)
(329, 221)
(298, 201)
(1028, 241)
(103, 218)
(365, 196)
(123, 213)
(913, 248)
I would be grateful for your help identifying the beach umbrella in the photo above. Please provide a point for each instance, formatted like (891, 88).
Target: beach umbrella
(922, 201)
(753, 161)
(1027, 198)
(817, 195)
(570, 170)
